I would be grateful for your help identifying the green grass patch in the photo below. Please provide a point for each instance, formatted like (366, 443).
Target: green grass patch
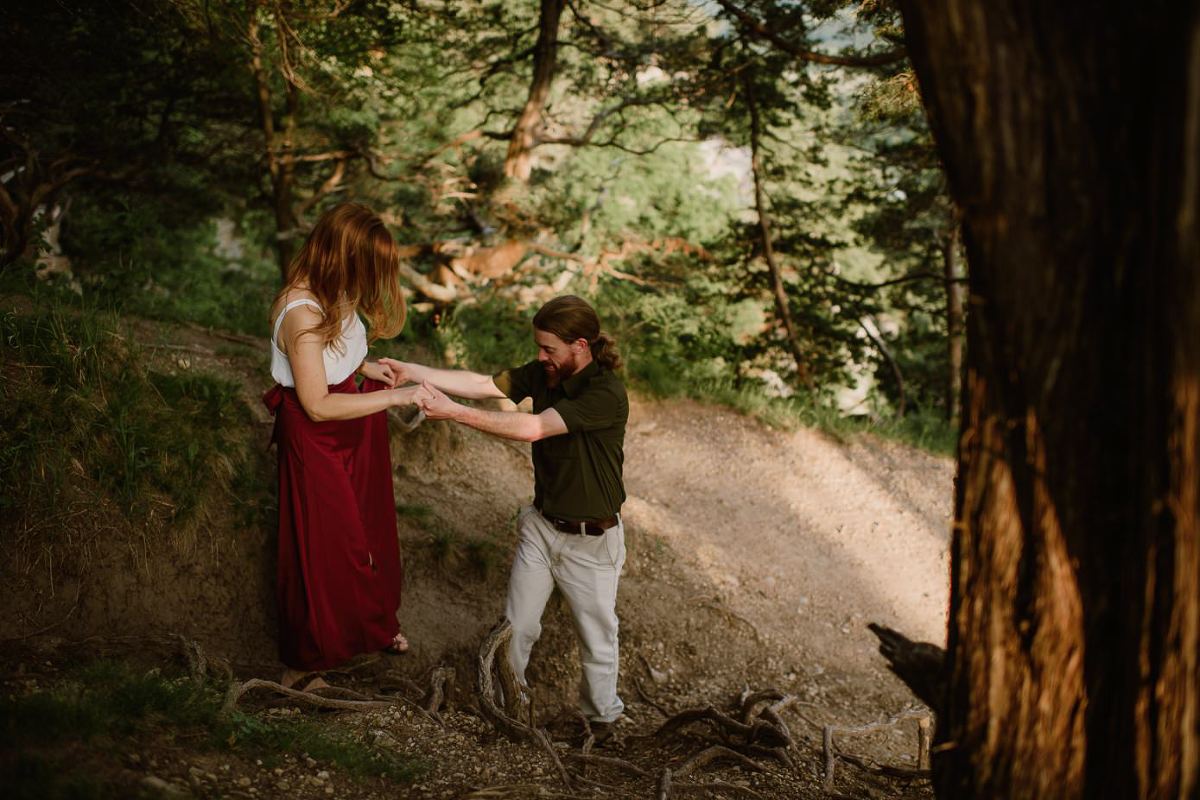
(449, 550)
(268, 739)
(80, 404)
(107, 702)
(421, 514)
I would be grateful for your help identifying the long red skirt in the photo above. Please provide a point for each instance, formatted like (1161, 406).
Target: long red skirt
(339, 574)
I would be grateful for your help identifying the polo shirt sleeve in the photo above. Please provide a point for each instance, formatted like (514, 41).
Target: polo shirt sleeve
(595, 409)
(516, 383)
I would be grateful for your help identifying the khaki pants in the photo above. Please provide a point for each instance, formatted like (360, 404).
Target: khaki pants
(586, 570)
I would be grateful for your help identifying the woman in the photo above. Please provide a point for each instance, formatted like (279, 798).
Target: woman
(339, 574)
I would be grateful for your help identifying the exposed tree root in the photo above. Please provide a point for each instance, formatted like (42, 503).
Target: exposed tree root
(705, 757)
(237, 690)
(441, 681)
(832, 755)
(199, 664)
(497, 641)
(519, 791)
(608, 761)
(752, 735)
(757, 731)
(709, 787)
(650, 701)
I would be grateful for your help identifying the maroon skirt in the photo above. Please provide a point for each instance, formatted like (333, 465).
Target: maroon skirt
(339, 573)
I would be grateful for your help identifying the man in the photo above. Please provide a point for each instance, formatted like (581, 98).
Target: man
(572, 536)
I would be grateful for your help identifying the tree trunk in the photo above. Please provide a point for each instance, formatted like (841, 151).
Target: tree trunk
(1071, 139)
(875, 335)
(286, 223)
(955, 321)
(517, 164)
(782, 309)
(280, 169)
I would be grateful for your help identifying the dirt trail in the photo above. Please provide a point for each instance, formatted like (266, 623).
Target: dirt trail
(806, 537)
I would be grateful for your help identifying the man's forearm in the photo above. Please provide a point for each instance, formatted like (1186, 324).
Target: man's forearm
(506, 424)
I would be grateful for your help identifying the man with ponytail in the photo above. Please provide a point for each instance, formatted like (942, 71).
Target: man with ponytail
(571, 536)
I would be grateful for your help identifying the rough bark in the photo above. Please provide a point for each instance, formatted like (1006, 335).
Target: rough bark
(1071, 139)
(518, 164)
(778, 291)
(955, 319)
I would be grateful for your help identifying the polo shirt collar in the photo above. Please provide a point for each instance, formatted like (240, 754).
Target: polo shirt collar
(576, 383)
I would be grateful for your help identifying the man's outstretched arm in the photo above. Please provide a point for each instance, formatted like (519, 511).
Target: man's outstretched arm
(506, 424)
(458, 382)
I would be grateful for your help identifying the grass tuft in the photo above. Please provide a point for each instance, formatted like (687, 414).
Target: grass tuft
(82, 411)
(99, 704)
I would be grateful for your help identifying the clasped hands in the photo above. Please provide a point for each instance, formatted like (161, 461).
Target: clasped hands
(427, 397)
(434, 402)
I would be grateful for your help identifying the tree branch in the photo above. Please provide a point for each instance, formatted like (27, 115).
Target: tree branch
(762, 31)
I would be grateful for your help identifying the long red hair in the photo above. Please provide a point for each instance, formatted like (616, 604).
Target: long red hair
(350, 261)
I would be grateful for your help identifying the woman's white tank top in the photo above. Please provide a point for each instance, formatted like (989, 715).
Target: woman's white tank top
(338, 366)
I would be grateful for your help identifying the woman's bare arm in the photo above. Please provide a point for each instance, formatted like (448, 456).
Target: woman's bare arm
(306, 354)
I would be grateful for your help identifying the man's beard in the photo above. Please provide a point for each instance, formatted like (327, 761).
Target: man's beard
(560, 372)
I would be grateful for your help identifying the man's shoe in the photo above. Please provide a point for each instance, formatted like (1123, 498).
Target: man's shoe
(602, 731)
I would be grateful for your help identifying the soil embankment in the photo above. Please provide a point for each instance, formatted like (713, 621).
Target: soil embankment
(756, 558)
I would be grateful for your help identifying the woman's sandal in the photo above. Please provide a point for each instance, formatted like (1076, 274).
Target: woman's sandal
(399, 644)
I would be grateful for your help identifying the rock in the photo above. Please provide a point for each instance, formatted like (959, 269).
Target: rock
(244, 782)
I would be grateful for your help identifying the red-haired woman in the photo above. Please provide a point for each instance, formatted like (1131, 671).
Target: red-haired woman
(339, 574)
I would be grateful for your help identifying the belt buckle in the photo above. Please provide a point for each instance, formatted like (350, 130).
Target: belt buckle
(572, 528)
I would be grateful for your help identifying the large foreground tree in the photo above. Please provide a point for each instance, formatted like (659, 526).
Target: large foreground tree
(1071, 138)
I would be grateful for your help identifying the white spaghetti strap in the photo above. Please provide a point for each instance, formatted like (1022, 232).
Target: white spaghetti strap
(279, 320)
(341, 357)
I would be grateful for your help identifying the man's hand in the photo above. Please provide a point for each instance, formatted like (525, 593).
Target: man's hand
(379, 371)
(434, 403)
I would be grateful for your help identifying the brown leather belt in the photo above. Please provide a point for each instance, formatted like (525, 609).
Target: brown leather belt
(594, 528)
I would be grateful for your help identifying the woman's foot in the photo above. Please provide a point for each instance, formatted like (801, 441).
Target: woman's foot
(399, 644)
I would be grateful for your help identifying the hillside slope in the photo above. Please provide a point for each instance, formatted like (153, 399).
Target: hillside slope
(756, 558)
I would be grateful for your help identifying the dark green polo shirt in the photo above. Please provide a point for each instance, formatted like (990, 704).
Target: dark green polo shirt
(577, 475)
